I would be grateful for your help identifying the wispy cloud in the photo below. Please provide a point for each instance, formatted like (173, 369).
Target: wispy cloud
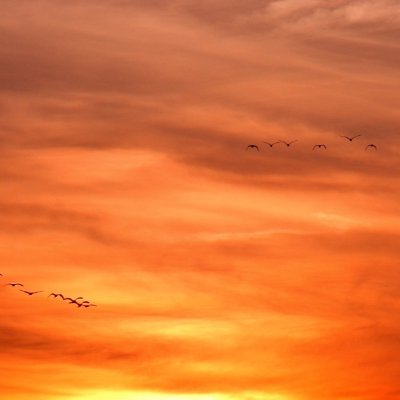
(125, 179)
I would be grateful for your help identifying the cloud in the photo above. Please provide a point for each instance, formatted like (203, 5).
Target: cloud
(115, 94)
(23, 218)
(126, 179)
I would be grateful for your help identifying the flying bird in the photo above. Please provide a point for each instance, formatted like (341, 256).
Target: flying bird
(85, 304)
(30, 293)
(350, 139)
(252, 146)
(372, 146)
(271, 144)
(56, 295)
(14, 284)
(288, 143)
(77, 304)
(73, 300)
(319, 146)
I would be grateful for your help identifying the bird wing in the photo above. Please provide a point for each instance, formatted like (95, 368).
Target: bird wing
(316, 145)
(356, 136)
(252, 146)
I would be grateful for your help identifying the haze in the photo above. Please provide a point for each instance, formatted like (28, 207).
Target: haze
(220, 273)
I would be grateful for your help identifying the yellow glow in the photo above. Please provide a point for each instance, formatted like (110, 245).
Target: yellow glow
(130, 395)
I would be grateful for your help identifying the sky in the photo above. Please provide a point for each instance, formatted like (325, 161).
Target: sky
(219, 272)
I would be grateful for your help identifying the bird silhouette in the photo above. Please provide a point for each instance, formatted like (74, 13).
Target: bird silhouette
(30, 293)
(14, 284)
(89, 305)
(271, 144)
(73, 300)
(350, 139)
(319, 146)
(372, 146)
(56, 295)
(77, 304)
(252, 146)
(85, 304)
(288, 143)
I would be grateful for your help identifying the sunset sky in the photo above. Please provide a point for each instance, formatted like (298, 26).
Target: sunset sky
(219, 273)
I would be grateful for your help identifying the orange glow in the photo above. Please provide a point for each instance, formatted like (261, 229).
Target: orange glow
(163, 396)
(218, 272)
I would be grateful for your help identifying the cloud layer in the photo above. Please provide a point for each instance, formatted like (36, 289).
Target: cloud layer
(218, 271)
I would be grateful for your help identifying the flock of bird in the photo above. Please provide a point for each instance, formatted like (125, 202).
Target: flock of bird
(87, 304)
(79, 304)
(316, 146)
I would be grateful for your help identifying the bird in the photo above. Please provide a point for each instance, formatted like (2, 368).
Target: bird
(72, 300)
(350, 139)
(372, 146)
(14, 284)
(77, 304)
(320, 146)
(56, 295)
(252, 146)
(271, 144)
(30, 293)
(288, 143)
(85, 304)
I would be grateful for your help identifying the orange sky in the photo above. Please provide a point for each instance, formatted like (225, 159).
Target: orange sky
(219, 273)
